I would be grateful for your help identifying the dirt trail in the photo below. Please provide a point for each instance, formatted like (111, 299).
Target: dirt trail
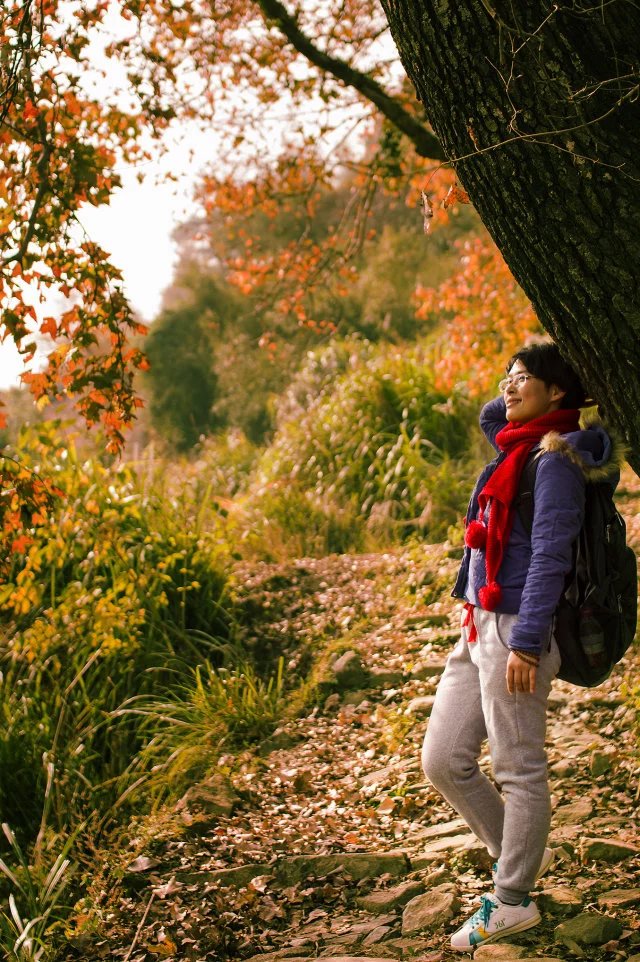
(328, 843)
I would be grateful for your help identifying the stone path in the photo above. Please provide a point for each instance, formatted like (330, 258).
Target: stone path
(329, 844)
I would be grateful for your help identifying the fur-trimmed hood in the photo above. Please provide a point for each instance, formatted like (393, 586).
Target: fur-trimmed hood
(595, 449)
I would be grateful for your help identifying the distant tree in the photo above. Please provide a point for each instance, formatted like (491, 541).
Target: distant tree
(181, 378)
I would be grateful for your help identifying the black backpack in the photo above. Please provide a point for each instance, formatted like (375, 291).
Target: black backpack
(595, 621)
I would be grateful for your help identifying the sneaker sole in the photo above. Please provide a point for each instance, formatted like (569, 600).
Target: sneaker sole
(512, 930)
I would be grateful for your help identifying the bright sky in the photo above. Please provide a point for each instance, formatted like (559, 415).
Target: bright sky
(136, 229)
(136, 226)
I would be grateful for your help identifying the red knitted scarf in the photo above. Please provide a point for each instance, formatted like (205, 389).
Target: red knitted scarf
(500, 490)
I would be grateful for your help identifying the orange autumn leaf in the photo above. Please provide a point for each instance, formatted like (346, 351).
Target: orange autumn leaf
(49, 326)
(30, 111)
(20, 545)
(456, 195)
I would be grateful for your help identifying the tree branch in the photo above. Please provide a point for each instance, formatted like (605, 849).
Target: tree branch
(424, 141)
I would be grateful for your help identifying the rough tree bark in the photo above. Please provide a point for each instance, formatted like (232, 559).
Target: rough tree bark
(537, 107)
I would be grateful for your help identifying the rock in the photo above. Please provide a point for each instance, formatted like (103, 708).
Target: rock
(357, 865)
(565, 835)
(332, 702)
(504, 952)
(557, 699)
(619, 898)
(377, 935)
(390, 773)
(383, 901)
(475, 853)
(407, 948)
(588, 928)
(421, 705)
(424, 670)
(384, 678)
(354, 934)
(431, 910)
(560, 900)
(608, 849)
(441, 828)
(574, 813)
(600, 763)
(289, 952)
(349, 672)
(301, 779)
(345, 958)
(563, 768)
(466, 846)
(214, 798)
(445, 844)
(499, 953)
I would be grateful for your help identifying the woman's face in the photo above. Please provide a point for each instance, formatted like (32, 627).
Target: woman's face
(532, 399)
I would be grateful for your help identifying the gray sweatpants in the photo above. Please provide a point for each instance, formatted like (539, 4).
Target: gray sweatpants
(472, 703)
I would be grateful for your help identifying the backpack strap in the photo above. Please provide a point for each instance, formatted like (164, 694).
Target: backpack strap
(523, 502)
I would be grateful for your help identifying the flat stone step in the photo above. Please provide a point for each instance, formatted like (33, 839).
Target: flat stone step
(297, 868)
(358, 865)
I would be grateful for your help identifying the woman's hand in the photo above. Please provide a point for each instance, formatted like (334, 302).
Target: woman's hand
(521, 676)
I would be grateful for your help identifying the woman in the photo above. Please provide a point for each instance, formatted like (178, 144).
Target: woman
(497, 679)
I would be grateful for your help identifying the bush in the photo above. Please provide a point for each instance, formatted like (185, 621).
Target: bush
(120, 592)
(379, 438)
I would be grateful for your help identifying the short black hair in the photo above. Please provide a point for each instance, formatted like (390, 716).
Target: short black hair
(547, 363)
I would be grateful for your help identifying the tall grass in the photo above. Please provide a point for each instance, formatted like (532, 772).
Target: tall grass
(35, 899)
(376, 442)
(118, 612)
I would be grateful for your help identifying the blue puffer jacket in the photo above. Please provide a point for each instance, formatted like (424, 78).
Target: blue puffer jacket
(533, 570)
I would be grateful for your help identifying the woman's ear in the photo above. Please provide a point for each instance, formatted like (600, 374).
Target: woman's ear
(557, 393)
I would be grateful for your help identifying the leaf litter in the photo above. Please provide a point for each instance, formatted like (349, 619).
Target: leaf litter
(346, 780)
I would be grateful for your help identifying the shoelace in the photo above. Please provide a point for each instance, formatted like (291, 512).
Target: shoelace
(487, 905)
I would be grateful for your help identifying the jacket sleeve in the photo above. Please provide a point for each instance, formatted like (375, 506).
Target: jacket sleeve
(493, 417)
(557, 518)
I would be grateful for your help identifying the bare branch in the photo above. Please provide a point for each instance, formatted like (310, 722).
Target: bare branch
(424, 141)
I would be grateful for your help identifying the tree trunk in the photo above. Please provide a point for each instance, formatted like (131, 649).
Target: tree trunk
(536, 105)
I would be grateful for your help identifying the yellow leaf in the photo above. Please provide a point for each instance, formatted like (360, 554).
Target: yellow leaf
(162, 949)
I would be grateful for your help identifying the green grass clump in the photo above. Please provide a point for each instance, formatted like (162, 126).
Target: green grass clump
(219, 710)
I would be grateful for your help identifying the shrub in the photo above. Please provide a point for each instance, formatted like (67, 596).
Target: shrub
(380, 439)
(120, 592)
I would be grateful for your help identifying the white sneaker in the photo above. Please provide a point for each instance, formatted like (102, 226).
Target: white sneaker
(548, 858)
(494, 920)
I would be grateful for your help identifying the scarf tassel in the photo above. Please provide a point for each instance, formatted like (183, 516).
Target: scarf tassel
(475, 535)
(490, 596)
